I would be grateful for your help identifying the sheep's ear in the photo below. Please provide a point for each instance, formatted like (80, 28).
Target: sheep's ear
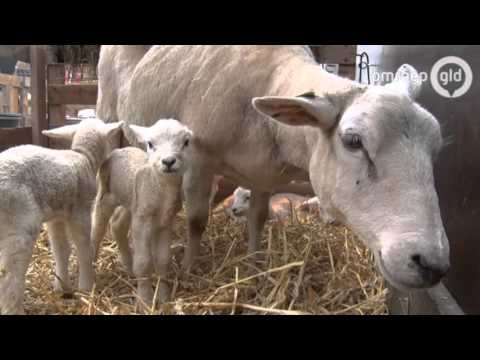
(310, 110)
(407, 81)
(112, 129)
(141, 133)
(64, 132)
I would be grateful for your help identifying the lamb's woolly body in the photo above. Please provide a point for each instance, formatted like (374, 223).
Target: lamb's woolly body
(40, 185)
(137, 189)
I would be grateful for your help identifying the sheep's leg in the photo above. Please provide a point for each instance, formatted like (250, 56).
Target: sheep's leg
(80, 232)
(142, 235)
(102, 211)
(162, 255)
(197, 187)
(61, 248)
(15, 256)
(257, 215)
(120, 224)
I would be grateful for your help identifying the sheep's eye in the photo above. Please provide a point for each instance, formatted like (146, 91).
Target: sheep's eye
(186, 143)
(149, 145)
(352, 141)
(247, 198)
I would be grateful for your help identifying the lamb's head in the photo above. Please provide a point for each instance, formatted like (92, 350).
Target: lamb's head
(373, 164)
(241, 202)
(168, 145)
(92, 135)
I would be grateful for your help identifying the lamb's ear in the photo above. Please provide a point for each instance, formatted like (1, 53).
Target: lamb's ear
(65, 132)
(407, 81)
(141, 133)
(299, 111)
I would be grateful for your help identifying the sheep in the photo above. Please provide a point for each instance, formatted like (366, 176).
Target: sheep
(147, 188)
(39, 185)
(117, 63)
(281, 206)
(267, 115)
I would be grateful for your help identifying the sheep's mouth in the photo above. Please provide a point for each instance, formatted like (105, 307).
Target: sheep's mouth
(169, 171)
(393, 280)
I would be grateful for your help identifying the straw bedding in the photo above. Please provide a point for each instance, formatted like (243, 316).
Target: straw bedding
(306, 267)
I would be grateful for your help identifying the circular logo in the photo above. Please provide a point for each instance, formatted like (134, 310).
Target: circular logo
(451, 77)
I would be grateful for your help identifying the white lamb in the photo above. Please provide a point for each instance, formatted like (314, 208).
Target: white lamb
(147, 187)
(40, 185)
(281, 206)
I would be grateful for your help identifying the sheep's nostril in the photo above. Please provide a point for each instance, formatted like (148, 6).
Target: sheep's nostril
(432, 272)
(235, 211)
(169, 162)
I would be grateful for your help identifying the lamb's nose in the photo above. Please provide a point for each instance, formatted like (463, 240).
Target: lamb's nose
(431, 271)
(168, 162)
(235, 211)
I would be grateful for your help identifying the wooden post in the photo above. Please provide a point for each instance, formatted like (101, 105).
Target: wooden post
(38, 56)
(56, 112)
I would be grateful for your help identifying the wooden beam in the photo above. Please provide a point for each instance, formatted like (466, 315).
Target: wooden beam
(56, 112)
(73, 94)
(14, 137)
(10, 80)
(39, 95)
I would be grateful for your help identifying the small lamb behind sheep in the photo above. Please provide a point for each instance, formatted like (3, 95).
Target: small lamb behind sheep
(40, 185)
(280, 207)
(147, 187)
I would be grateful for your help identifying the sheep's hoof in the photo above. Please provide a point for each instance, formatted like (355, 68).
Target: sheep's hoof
(60, 288)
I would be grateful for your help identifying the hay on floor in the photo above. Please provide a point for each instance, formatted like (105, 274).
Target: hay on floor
(307, 268)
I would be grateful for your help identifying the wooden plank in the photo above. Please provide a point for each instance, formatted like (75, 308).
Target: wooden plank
(14, 137)
(73, 94)
(56, 113)
(14, 99)
(39, 96)
(10, 80)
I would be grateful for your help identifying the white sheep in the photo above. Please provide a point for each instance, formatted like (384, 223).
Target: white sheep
(40, 185)
(147, 187)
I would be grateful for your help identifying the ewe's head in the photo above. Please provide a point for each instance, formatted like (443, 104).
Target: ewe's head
(241, 202)
(92, 134)
(373, 164)
(167, 143)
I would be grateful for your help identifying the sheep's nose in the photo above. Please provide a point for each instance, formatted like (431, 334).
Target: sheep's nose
(432, 271)
(168, 162)
(235, 211)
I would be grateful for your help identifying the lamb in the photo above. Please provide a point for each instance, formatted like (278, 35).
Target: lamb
(40, 185)
(147, 188)
(281, 205)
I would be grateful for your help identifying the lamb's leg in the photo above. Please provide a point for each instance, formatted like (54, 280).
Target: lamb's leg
(80, 232)
(162, 255)
(197, 187)
(257, 215)
(15, 256)
(57, 235)
(102, 211)
(120, 224)
(142, 236)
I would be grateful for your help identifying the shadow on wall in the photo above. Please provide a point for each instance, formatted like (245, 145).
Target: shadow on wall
(457, 169)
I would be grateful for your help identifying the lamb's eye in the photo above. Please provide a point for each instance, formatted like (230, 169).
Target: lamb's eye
(149, 145)
(247, 198)
(352, 141)
(186, 143)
